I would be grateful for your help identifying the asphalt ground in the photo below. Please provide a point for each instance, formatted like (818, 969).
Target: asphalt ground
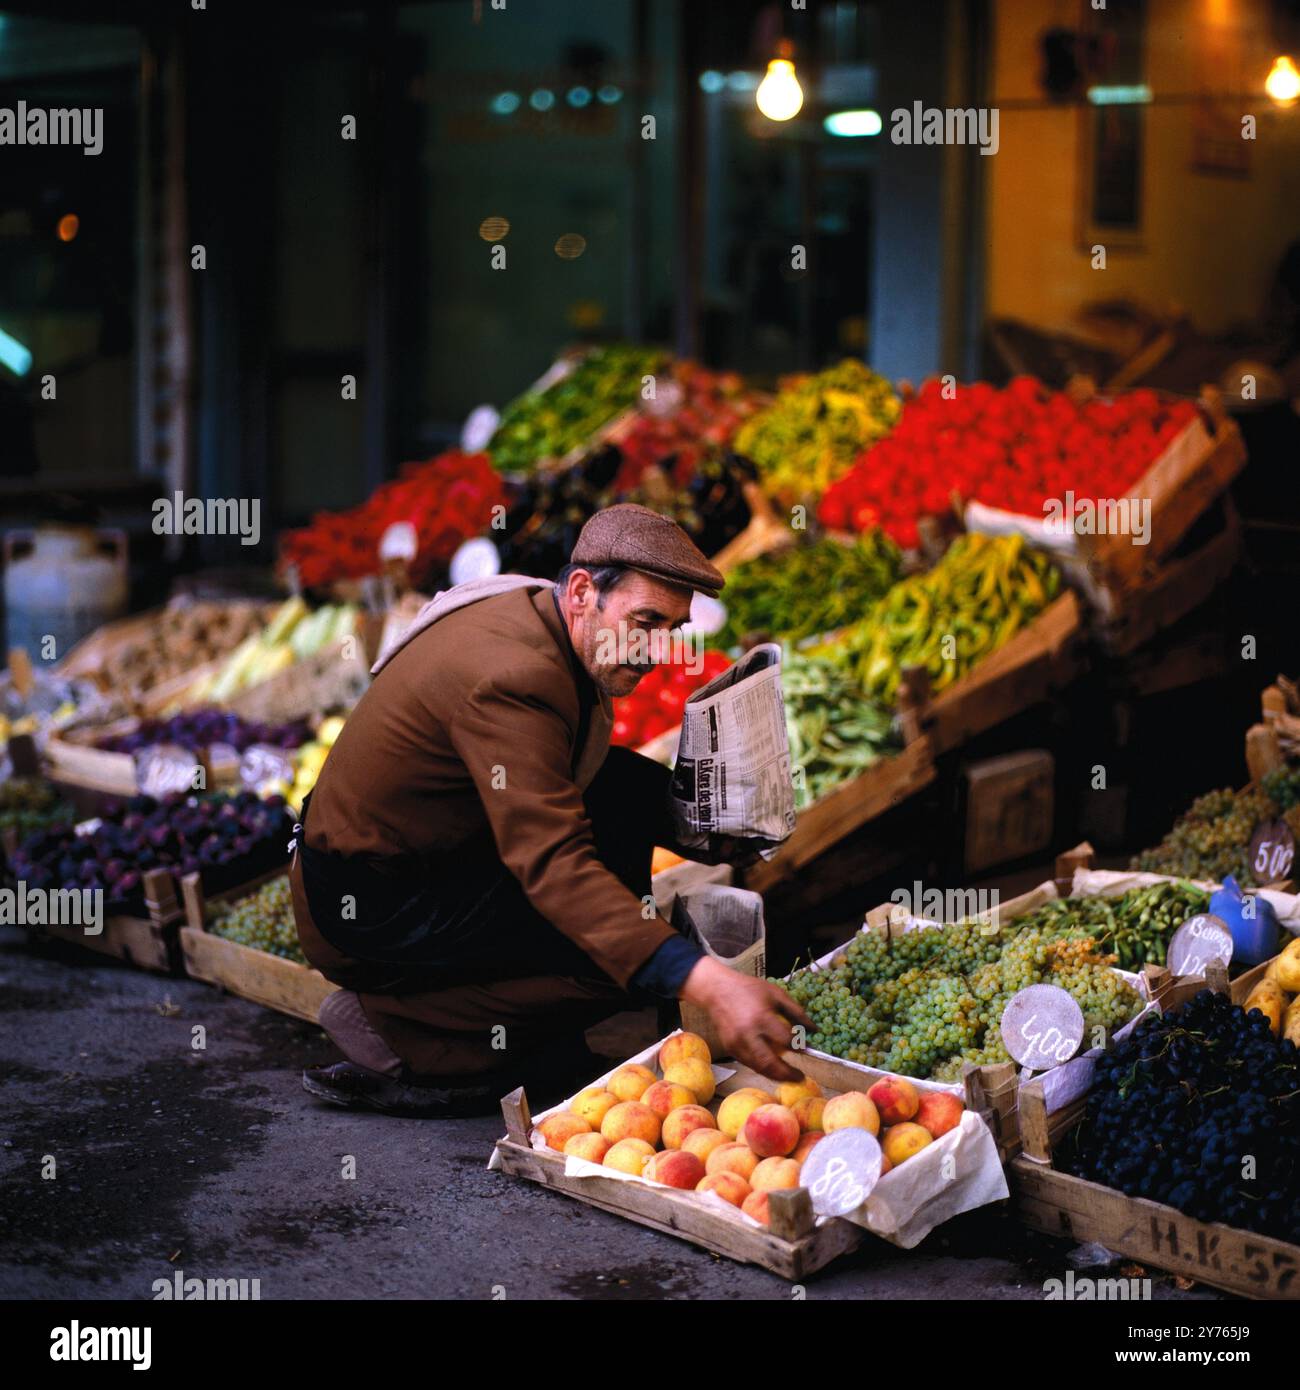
(216, 1163)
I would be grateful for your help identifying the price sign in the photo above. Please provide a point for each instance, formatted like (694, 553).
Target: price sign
(1042, 1027)
(1198, 942)
(477, 558)
(165, 769)
(263, 764)
(841, 1171)
(399, 542)
(666, 401)
(479, 427)
(1272, 851)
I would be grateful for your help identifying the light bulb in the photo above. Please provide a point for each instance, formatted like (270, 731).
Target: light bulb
(779, 94)
(1283, 81)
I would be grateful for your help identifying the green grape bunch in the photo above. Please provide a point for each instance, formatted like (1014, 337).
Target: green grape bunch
(263, 921)
(932, 999)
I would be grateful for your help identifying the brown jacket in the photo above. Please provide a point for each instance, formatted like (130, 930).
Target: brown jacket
(474, 724)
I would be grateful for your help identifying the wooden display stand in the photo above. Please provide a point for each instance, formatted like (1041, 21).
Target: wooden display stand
(1059, 1204)
(287, 986)
(149, 942)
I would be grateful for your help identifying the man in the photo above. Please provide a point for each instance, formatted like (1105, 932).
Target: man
(473, 866)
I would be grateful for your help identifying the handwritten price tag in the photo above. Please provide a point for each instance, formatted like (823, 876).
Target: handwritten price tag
(263, 764)
(1272, 851)
(1199, 941)
(165, 769)
(1042, 1027)
(841, 1171)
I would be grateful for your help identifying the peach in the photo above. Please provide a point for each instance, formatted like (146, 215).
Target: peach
(775, 1172)
(629, 1156)
(902, 1141)
(790, 1092)
(806, 1145)
(809, 1111)
(885, 1164)
(594, 1104)
(732, 1158)
(771, 1131)
(731, 1187)
(663, 1097)
(592, 1147)
(681, 1047)
(682, 1122)
(895, 1098)
(630, 1082)
(851, 1110)
(696, 1075)
(702, 1142)
(629, 1119)
(736, 1108)
(755, 1205)
(939, 1112)
(675, 1168)
(559, 1128)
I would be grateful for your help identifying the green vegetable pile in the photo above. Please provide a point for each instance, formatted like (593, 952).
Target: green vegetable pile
(28, 805)
(263, 920)
(983, 591)
(931, 1000)
(835, 732)
(1135, 926)
(808, 589)
(816, 427)
(1211, 839)
(548, 424)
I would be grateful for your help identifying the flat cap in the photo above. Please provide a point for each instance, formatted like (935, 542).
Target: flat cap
(635, 536)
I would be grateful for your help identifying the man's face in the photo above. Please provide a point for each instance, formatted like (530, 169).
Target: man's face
(614, 635)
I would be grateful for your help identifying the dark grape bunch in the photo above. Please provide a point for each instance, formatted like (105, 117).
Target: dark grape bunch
(227, 839)
(200, 729)
(263, 920)
(932, 1000)
(1180, 1105)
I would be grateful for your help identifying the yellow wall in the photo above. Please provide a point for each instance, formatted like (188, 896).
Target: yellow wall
(1209, 244)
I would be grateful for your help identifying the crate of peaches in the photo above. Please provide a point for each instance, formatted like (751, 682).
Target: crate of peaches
(713, 1152)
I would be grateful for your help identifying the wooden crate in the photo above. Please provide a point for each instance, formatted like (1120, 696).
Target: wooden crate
(1035, 663)
(1181, 485)
(1239, 1262)
(286, 986)
(1126, 618)
(149, 942)
(886, 784)
(88, 659)
(794, 1246)
(1009, 806)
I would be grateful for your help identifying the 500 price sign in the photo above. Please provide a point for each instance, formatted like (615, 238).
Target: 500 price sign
(1272, 851)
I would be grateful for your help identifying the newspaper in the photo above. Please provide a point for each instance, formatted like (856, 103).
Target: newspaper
(732, 776)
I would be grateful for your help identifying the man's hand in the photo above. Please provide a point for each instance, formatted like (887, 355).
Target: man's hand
(753, 1018)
